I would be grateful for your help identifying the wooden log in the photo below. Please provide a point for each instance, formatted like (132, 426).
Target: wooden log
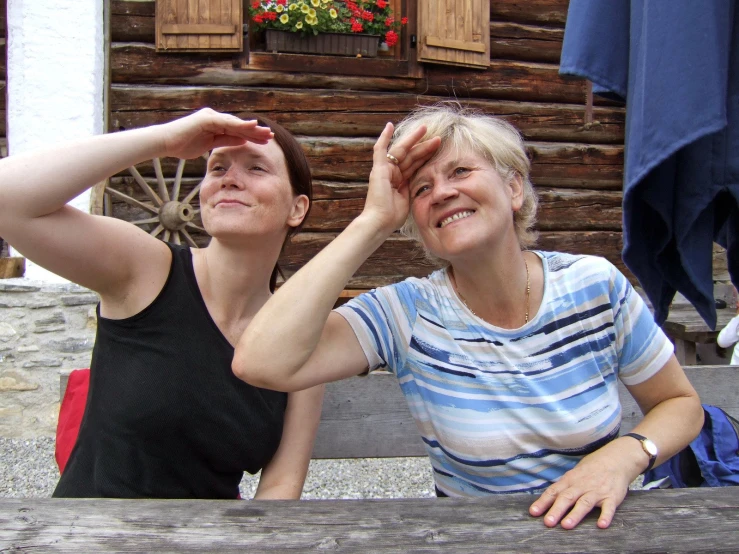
(139, 63)
(550, 12)
(507, 80)
(516, 41)
(336, 204)
(133, 7)
(132, 28)
(554, 164)
(400, 257)
(353, 113)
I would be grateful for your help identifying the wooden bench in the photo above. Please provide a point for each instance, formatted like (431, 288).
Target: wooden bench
(686, 329)
(368, 417)
(697, 520)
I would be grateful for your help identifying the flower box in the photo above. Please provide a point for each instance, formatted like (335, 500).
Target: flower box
(334, 44)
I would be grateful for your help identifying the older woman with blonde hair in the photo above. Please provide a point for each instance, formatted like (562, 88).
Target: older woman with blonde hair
(509, 358)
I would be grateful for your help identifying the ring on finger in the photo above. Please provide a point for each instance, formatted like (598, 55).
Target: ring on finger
(393, 159)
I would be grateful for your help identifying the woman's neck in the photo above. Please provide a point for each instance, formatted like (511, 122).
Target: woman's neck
(504, 288)
(234, 280)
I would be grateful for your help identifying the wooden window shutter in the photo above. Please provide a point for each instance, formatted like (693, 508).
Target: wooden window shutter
(454, 32)
(199, 25)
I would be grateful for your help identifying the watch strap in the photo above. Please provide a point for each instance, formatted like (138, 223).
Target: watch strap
(641, 439)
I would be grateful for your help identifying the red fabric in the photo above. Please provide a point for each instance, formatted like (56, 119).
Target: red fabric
(70, 415)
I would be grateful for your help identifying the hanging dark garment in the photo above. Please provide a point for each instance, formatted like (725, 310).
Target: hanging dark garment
(676, 65)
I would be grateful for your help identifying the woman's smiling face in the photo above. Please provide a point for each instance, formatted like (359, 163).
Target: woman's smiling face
(461, 205)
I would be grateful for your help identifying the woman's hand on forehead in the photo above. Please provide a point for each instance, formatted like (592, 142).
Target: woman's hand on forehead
(192, 136)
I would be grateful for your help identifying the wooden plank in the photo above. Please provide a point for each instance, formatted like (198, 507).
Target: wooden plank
(132, 7)
(684, 323)
(696, 521)
(505, 80)
(399, 257)
(550, 12)
(198, 29)
(344, 65)
(357, 113)
(445, 37)
(139, 63)
(515, 41)
(367, 417)
(554, 164)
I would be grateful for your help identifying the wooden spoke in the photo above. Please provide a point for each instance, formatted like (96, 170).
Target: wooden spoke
(178, 180)
(159, 228)
(165, 238)
(196, 227)
(164, 195)
(193, 194)
(188, 238)
(145, 186)
(132, 201)
(145, 221)
(176, 238)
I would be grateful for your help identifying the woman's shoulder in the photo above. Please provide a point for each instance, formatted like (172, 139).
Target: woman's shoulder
(579, 265)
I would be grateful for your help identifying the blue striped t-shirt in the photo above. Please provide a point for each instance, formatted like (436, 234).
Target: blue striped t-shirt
(511, 410)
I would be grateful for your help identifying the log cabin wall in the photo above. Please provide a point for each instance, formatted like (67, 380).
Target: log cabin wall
(577, 168)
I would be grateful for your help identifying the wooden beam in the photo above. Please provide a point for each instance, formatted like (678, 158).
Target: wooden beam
(550, 12)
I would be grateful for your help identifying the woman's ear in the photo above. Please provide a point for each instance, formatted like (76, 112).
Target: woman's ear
(299, 210)
(516, 184)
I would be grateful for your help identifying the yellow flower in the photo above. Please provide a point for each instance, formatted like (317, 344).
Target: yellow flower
(279, 8)
(284, 18)
(311, 20)
(312, 12)
(299, 25)
(293, 7)
(315, 3)
(304, 8)
(333, 14)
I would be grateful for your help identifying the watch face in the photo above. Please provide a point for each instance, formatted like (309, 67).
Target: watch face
(650, 447)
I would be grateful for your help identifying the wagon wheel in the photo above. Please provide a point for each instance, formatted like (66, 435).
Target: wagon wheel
(170, 216)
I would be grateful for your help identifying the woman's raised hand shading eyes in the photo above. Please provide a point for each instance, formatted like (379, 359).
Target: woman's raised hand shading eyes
(207, 129)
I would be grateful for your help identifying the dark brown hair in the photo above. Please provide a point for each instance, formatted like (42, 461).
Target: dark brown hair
(298, 171)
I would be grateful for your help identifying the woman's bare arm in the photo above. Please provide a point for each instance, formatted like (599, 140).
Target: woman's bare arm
(101, 253)
(284, 476)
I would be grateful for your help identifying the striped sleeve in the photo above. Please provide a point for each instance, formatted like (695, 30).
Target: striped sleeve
(382, 321)
(643, 348)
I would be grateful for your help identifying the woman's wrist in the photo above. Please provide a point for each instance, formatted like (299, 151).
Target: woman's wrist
(372, 226)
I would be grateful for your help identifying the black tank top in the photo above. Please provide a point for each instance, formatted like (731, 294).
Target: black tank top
(165, 416)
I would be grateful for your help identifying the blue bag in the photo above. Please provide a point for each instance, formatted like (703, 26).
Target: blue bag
(711, 460)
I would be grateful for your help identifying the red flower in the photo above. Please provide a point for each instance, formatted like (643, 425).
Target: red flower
(367, 15)
(256, 5)
(381, 4)
(259, 18)
(389, 21)
(403, 20)
(270, 15)
(391, 38)
(357, 27)
(282, 2)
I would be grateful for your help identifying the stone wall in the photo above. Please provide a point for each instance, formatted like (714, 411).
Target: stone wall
(44, 328)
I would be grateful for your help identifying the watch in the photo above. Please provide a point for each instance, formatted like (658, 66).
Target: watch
(648, 446)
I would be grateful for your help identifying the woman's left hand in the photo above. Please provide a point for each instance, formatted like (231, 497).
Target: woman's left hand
(600, 480)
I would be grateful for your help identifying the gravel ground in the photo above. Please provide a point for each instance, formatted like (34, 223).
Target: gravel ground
(28, 469)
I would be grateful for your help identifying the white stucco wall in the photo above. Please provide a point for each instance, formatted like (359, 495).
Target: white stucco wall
(55, 86)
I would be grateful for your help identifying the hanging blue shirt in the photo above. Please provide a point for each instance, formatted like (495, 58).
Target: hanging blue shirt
(675, 63)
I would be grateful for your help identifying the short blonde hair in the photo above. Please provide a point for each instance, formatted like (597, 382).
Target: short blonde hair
(496, 140)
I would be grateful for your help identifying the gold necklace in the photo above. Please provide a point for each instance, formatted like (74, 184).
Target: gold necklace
(528, 292)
